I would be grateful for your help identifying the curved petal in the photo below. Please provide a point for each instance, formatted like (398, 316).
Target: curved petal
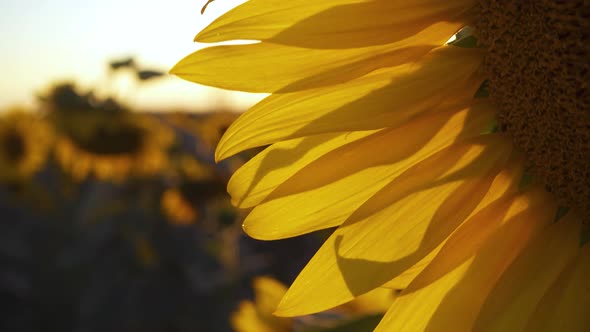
(398, 226)
(514, 298)
(331, 23)
(385, 98)
(247, 319)
(326, 192)
(261, 175)
(467, 267)
(505, 185)
(268, 67)
(565, 306)
(268, 293)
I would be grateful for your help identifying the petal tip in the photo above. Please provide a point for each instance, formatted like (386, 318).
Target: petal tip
(177, 69)
(222, 152)
(258, 230)
(206, 36)
(249, 230)
(229, 144)
(198, 38)
(280, 313)
(173, 70)
(284, 310)
(219, 155)
(288, 308)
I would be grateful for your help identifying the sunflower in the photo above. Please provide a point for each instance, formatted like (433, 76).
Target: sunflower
(24, 142)
(456, 171)
(176, 208)
(111, 146)
(256, 316)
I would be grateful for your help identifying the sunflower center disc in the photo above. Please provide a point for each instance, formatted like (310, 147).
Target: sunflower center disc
(14, 145)
(538, 67)
(114, 140)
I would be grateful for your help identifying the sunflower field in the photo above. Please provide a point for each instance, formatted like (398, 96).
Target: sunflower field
(410, 166)
(118, 220)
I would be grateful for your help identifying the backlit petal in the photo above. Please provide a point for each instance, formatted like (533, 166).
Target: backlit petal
(256, 179)
(280, 68)
(565, 306)
(518, 292)
(327, 191)
(398, 226)
(331, 23)
(448, 294)
(387, 97)
(505, 184)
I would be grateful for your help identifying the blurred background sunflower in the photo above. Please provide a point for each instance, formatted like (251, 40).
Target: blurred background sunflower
(100, 138)
(446, 140)
(25, 140)
(361, 314)
(114, 146)
(114, 214)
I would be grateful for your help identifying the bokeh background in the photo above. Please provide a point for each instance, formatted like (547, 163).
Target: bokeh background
(113, 214)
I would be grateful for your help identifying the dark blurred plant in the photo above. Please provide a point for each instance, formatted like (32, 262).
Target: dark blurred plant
(65, 97)
(118, 220)
(122, 63)
(145, 75)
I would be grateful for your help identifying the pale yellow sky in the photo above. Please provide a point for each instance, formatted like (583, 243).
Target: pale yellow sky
(45, 41)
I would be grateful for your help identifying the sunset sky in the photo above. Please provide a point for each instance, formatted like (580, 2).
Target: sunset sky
(47, 41)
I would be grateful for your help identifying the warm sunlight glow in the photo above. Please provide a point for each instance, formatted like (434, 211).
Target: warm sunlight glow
(73, 40)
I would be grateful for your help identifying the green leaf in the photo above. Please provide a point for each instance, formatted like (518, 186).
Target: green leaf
(467, 42)
(561, 212)
(483, 90)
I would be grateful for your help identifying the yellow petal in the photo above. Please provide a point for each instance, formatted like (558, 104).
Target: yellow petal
(268, 67)
(268, 293)
(257, 316)
(448, 294)
(331, 23)
(516, 295)
(398, 226)
(565, 306)
(374, 302)
(261, 175)
(327, 191)
(402, 280)
(385, 98)
(246, 319)
(505, 184)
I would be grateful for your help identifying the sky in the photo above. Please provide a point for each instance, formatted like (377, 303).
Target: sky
(48, 41)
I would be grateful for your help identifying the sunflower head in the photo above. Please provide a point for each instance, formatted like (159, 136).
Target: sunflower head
(418, 151)
(538, 69)
(24, 143)
(112, 146)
